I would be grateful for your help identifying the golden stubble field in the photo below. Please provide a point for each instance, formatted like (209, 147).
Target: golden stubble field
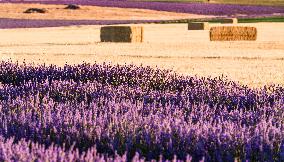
(168, 46)
(57, 12)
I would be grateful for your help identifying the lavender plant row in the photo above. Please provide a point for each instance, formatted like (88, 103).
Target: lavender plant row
(147, 80)
(6, 23)
(196, 8)
(129, 110)
(23, 150)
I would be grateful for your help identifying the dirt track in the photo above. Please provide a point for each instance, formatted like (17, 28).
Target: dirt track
(169, 46)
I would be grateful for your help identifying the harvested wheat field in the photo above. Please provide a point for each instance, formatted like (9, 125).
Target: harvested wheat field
(58, 12)
(171, 46)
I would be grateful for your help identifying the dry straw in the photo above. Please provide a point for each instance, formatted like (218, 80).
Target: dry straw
(198, 26)
(233, 33)
(122, 34)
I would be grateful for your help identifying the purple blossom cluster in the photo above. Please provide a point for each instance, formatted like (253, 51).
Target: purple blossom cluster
(23, 150)
(104, 112)
(195, 8)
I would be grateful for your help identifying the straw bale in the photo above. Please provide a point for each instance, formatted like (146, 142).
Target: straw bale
(35, 10)
(198, 26)
(122, 34)
(233, 33)
(72, 7)
(229, 21)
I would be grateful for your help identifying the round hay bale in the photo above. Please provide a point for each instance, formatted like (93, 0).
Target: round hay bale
(72, 7)
(35, 10)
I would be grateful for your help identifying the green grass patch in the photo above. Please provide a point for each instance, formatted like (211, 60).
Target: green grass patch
(255, 20)
(217, 20)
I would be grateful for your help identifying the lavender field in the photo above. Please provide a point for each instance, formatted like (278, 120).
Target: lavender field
(103, 112)
(61, 102)
(6, 23)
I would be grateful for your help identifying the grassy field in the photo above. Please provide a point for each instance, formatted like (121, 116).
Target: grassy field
(268, 19)
(250, 2)
(214, 20)
(254, 20)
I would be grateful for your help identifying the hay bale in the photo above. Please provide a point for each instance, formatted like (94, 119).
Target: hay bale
(122, 34)
(229, 21)
(35, 10)
(198, 26)
(72, 7)
(233, 33)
